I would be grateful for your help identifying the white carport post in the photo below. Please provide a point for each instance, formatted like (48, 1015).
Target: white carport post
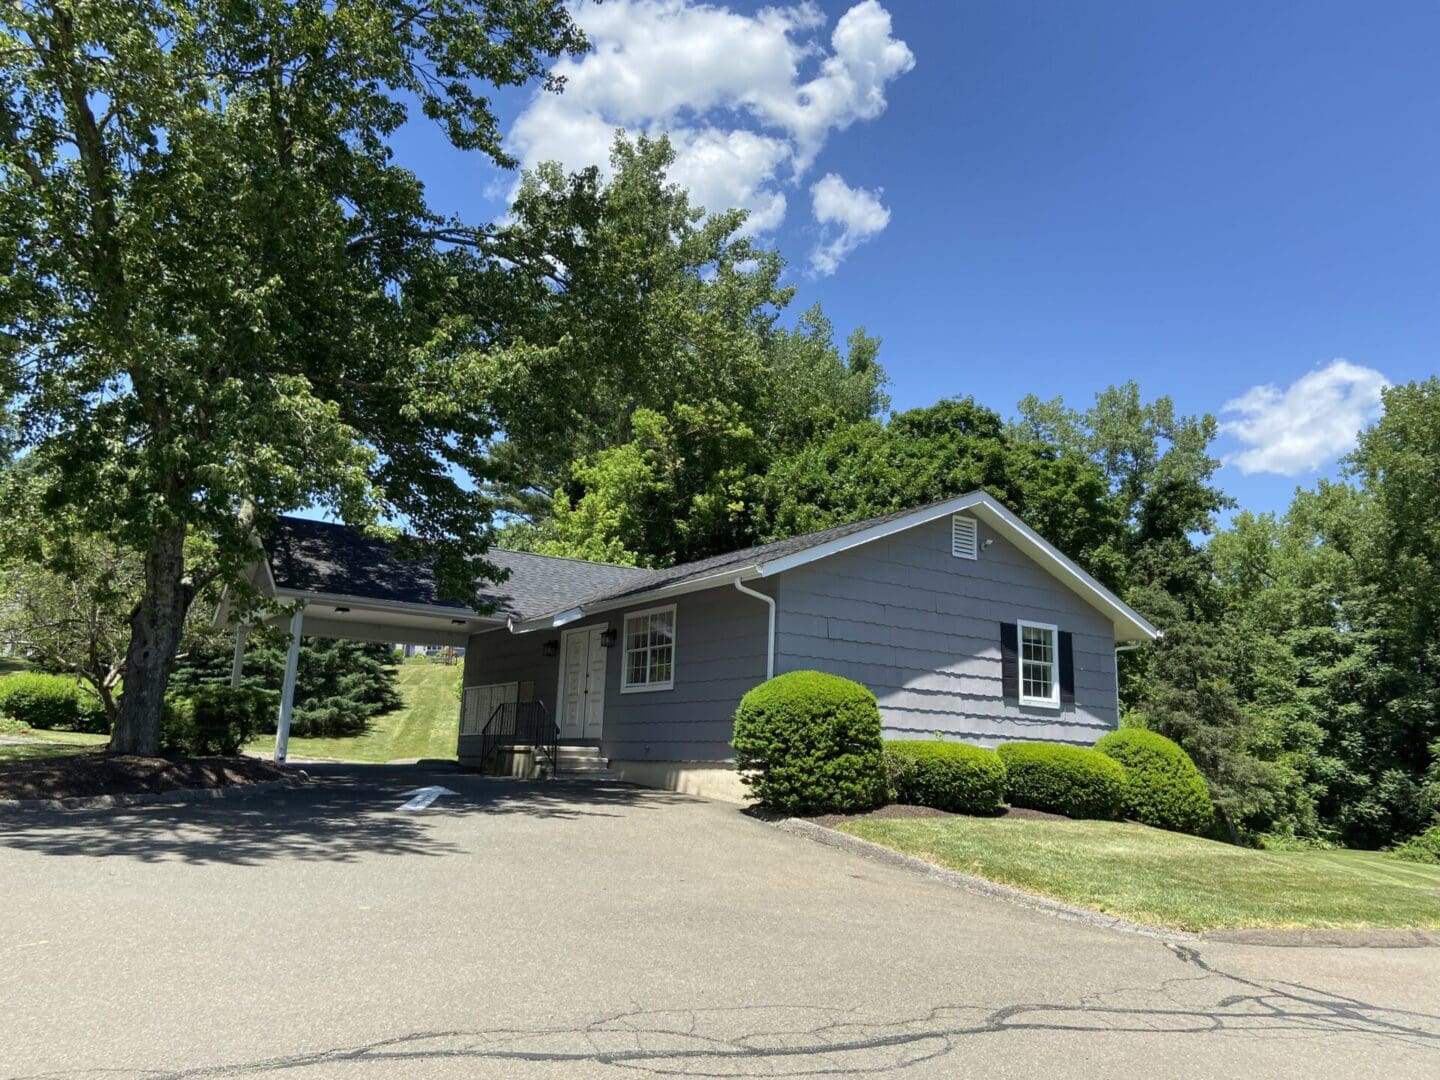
(237, 666)
(287, 689)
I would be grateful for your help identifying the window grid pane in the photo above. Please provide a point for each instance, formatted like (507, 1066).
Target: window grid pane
(1037, 667)
(649, 648)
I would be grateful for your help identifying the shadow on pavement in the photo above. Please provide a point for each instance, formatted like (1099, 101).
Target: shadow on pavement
(346, 811)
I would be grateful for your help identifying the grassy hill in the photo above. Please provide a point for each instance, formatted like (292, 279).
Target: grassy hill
(426, 726)
(1170, 880)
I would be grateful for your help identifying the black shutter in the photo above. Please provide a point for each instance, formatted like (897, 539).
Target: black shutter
(1009, 661)
(1067, 668)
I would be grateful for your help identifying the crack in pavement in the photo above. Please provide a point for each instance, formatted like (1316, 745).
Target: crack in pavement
(806, 1041)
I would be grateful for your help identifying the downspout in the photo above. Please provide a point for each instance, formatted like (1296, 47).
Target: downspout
(770, 627)
(1118, 650)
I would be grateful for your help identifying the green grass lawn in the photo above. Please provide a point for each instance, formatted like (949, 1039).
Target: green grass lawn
(11, 664)
(426, 726)
(39, 748)
(1169, 880)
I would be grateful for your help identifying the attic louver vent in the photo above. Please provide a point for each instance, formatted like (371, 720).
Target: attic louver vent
(964, 538)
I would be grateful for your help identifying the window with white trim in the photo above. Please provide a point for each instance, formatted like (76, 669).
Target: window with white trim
(649, 660)
(1039, 663)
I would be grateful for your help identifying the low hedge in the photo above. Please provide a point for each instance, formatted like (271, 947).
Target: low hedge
(809, 743)
(1163, 787)
(952, 776)
(214, 721)
(51, 702)
(1071, 780)
(1422, 848)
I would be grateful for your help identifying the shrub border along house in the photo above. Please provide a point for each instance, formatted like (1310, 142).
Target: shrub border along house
(1075, 781)
(809, 743)
(952, 776)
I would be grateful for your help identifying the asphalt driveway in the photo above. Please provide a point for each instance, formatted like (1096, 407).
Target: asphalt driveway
(575, 930)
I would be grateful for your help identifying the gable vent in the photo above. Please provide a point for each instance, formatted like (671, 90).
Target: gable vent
(964, 537)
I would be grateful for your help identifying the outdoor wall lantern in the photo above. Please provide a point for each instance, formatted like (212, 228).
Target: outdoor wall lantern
(609, 637)
(550, 648)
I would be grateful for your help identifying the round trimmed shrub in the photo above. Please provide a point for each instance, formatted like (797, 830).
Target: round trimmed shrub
(952, 776)
(1071, 780)
(809, 743)
(1162, 786)
(51, 702)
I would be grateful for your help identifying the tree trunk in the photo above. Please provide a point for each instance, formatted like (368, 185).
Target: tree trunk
(155, 629)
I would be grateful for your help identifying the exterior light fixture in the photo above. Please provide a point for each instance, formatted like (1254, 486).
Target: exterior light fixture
(550, 648)
(609, 637)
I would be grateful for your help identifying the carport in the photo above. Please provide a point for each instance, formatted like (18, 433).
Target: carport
(344, 585)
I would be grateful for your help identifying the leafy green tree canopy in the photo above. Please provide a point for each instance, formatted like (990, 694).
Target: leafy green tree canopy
(222, 297)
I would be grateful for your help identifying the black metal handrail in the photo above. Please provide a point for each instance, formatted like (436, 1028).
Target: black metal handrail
(521, 723)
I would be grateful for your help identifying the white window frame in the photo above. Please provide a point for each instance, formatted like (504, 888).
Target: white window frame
(626, 686)
(1053, 701)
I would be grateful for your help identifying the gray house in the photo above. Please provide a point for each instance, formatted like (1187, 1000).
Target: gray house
(960, 618)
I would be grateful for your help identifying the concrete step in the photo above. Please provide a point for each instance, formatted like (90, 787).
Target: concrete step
(584, 761)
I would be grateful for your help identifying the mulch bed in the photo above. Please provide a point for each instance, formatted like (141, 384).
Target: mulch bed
(99, 773)
(897, 810)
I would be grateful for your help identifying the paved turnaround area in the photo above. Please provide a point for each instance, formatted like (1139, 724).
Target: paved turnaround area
(572, 930)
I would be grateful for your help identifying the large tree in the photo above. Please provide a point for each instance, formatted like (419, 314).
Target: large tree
(632, 300)
(224, 299)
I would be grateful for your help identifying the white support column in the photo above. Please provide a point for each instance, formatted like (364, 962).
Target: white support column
(237, 666)
(287, 689)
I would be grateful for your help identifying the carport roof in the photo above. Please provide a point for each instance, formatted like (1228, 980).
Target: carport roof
(322, 557)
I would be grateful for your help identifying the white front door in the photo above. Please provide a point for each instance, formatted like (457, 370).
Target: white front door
(582, 683)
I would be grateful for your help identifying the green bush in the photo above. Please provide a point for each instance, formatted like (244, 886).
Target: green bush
(213, 721)
(950, 776)
(1162, 786)
(1071, 780)
(1424, 847)
(809, 743)
(51, 702)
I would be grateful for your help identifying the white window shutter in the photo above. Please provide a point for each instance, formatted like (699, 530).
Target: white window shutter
(964, 537)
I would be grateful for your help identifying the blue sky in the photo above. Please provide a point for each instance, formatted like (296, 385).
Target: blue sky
(1218, 200)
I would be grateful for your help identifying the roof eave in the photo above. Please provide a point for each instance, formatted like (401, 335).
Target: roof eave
(552, 619)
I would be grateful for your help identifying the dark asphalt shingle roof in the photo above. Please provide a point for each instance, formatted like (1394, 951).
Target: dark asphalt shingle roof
(320, 556)
(739, 560)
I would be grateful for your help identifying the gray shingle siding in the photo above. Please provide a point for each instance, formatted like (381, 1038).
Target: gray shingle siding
(921, 629)
(719, 654)
(916, 625)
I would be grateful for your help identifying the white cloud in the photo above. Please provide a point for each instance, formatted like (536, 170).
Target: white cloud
(848, 216)
(747, 100)
(1311, 422)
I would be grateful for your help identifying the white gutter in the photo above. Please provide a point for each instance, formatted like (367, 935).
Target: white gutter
(770, 628)
(664, 592)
